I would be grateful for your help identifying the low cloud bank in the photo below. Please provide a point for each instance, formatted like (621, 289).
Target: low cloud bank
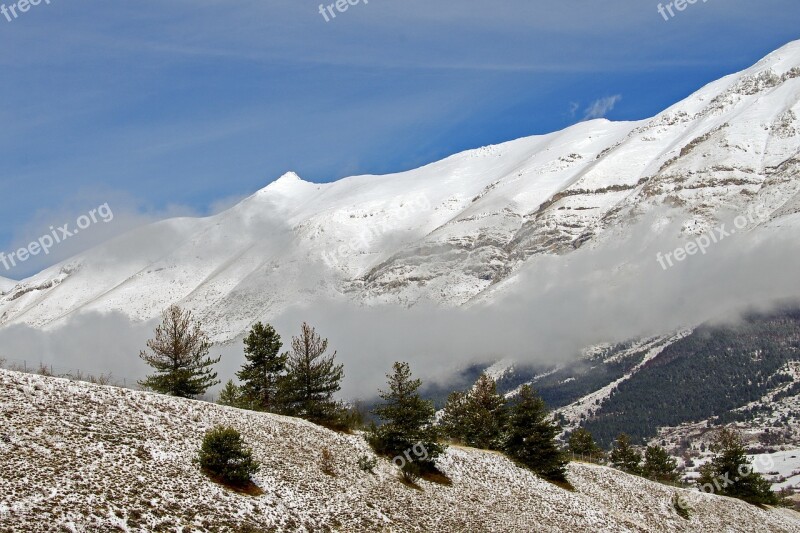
(553, 309)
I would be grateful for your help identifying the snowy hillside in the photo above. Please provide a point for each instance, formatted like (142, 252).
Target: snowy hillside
(82, 457)
(454, 231)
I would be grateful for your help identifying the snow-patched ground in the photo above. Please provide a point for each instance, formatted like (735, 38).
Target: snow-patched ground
(82, 457)
(782, 468)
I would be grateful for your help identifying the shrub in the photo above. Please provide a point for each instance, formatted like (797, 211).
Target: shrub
(367, 463)
(681, 507)
(327, 462)
(224, 456)
(411, 473)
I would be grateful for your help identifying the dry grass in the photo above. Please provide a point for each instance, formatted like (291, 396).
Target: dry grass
(85, 457)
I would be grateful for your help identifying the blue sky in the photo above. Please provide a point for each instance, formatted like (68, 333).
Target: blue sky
(184, 106)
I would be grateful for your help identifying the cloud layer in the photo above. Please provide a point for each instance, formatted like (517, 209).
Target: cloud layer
(556, 307)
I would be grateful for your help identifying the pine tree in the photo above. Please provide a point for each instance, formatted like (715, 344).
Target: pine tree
(264, 367)
(625, 457)
(231, 395)
(179, 357)
(453, 416)
(477, 416)
(407, 421)
(224, 456)
(730, 472)
(487, 414)
(312, 379)
(581, 444)
(659, 466)
(530, 437)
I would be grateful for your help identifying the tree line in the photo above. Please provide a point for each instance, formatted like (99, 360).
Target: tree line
(302, 382)
(728, 473)
(299, 382)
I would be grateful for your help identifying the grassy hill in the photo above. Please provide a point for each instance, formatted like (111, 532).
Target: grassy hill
(81, 457)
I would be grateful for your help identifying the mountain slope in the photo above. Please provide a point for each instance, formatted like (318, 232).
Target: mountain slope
(709, 373)
(454, 231)
(78, 457)
(6, 284)
(672, 388)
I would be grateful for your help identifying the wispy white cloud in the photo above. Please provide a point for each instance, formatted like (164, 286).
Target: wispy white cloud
(601, 107)
(573, 108)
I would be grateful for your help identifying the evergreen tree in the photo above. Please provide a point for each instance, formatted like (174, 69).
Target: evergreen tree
(581, 444)
(530, 437)
(476, 417)
(312, 379)
(625, 457)
(223, 455)
(730, 473)
(659, 466)
(231, 395)
(453, 415)
(264, 367)
(407, 421)
(179, 357)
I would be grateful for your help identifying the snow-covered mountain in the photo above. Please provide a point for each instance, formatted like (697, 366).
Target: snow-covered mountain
(455, 231)
(83, 457)
(6, 284)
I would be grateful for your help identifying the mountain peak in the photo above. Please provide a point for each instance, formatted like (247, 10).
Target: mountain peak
(290, 176)
(290, 184)
(781, 60)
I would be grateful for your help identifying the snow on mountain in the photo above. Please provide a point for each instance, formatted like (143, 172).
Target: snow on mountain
(452, 232)
(6, 284)
(82, 457)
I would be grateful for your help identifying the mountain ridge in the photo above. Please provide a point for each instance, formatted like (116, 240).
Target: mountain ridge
(455, 231)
